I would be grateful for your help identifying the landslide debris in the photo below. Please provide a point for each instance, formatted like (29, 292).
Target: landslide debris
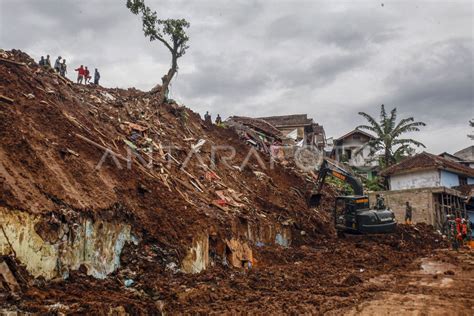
(71, 151)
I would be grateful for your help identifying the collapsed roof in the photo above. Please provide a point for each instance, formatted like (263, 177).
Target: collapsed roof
(259, 125)
(288, 120)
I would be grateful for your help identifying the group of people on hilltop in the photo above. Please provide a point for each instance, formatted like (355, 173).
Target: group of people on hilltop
(59, 67)
(83, 73)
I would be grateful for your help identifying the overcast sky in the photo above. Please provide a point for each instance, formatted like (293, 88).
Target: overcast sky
(329, 59)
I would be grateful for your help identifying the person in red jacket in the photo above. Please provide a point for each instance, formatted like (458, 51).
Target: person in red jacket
(80, 74)
(87, 76)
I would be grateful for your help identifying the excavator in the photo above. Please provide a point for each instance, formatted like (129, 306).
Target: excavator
(352, 213)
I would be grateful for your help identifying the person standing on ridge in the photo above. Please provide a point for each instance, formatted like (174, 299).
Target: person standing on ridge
(207, 118)
(57, 64)
(63, 68)
(47, 62)
(86, 75)
(96, 76)
(218, 120)
(80, 74)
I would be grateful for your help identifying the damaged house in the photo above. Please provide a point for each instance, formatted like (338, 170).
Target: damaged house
(429, 182)
(352, 148)
(300, 128)
(466, 156)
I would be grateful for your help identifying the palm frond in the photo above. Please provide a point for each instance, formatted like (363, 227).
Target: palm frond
(393, 118)
(383, 113)
(367, 127)
(410, 127)
(372, 122)
(403, 122)
(404, 142)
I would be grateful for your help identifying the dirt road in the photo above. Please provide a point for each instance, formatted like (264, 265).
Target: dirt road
(443, 285)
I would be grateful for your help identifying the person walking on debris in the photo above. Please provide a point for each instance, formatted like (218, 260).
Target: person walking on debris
(86, 75)
(96, 76)
(42, 62)
(451, 231)
(63, 68)
(80, 74)
(218, 120)
(207, 118)
(459, 238)
(379, 202)
(408, 213)
(47, 62)
(464, 229)
(57, 64)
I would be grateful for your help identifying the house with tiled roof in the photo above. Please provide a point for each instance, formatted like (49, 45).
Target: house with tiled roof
(427, 170)
(430, 183)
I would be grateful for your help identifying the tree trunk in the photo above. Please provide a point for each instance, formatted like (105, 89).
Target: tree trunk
(167, 79)
(387, 158)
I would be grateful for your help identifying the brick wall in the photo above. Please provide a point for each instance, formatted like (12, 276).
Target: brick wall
(421, 201)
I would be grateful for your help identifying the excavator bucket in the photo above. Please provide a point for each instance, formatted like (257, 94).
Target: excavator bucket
(314, 199)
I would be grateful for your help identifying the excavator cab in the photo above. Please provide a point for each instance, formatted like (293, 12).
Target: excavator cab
(352, 213)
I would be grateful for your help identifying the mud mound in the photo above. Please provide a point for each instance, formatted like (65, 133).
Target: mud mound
(55, 134)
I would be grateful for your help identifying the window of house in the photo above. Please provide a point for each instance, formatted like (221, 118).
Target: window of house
(462, 180)
(348, 153)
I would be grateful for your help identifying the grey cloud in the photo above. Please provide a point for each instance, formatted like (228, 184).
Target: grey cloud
(325, 69)
(438, 81)
(218, 76)
(347, 30)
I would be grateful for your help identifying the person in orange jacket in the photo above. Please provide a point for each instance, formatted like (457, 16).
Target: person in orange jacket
(458, 231)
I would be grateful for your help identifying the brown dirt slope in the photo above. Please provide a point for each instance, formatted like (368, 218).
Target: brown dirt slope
(45, 166)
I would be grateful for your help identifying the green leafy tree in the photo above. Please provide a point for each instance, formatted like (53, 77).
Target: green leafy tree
(388, 135)
(170, 32)
(374, 184)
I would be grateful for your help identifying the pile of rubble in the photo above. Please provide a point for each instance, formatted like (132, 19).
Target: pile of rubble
(110, 202)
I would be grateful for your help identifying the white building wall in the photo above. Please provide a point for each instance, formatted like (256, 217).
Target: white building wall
(421, 179)
(363, 158)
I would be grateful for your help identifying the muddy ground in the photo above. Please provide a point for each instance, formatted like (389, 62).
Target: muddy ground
(408, 273)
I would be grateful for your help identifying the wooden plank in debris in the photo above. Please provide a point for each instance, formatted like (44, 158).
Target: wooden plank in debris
(196, 186)
(8, 276)
(101, 147)
(6, 99)
(11, 62)
(137, 127)
(185, 184)
(174, 159)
